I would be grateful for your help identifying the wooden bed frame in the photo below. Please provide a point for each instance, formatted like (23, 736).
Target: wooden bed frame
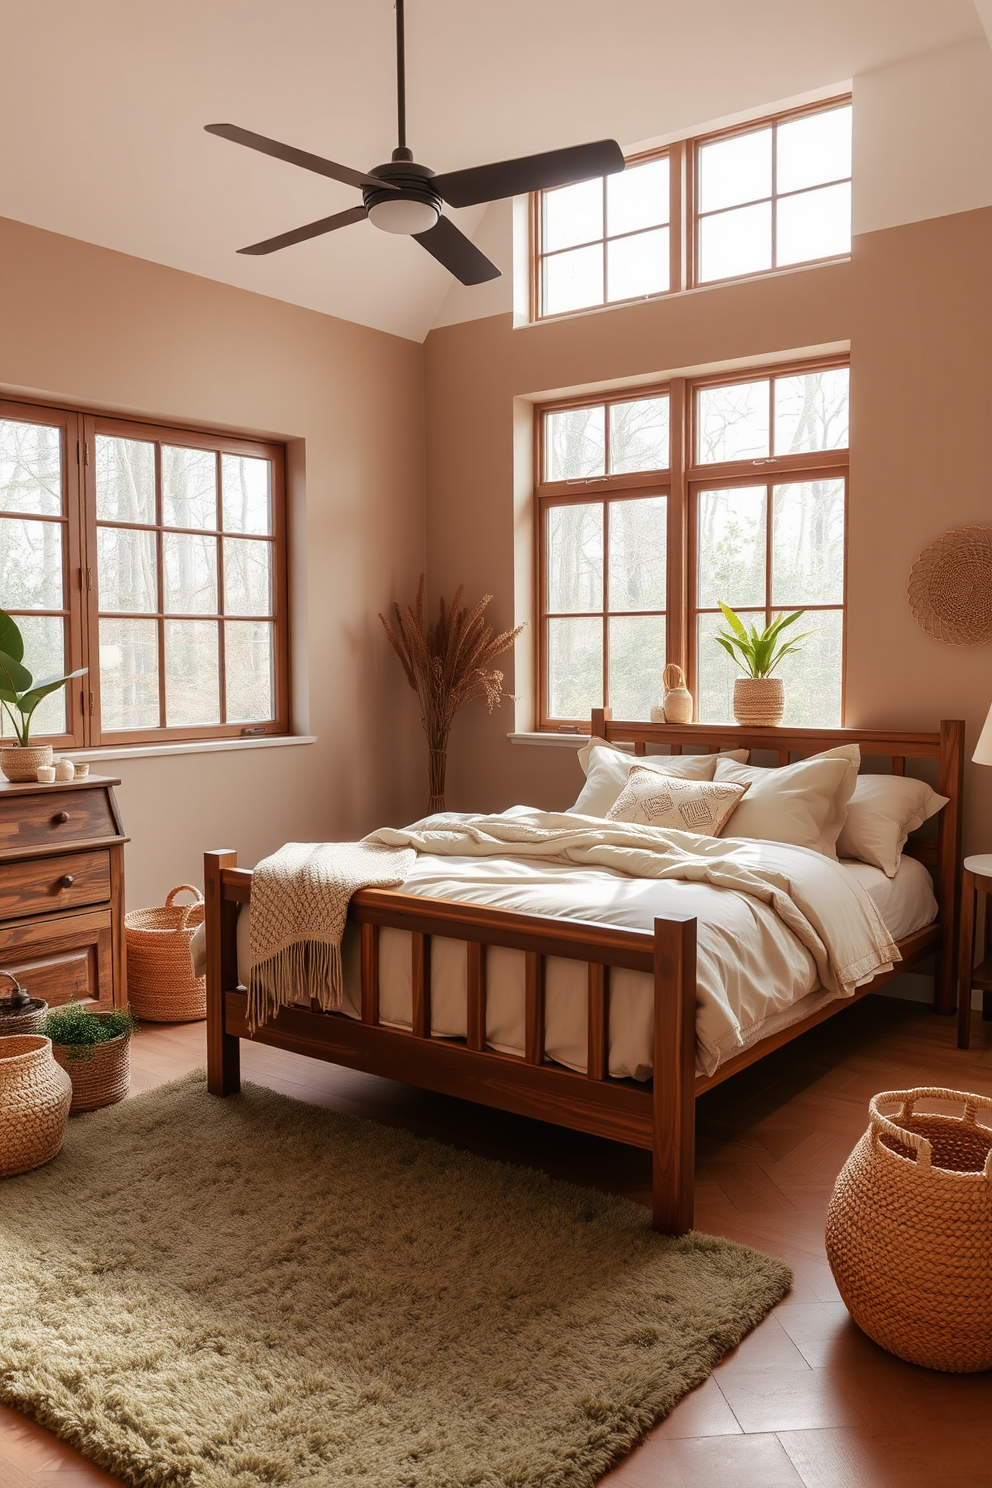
(658, 1116)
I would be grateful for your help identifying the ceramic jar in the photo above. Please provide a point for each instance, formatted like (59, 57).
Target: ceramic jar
(678, 698)
(35, 1094)
(19, 762)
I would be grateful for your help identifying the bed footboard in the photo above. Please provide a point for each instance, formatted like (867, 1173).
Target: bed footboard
(659, 1117)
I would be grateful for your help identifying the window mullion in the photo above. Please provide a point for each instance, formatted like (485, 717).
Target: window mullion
(160, 580)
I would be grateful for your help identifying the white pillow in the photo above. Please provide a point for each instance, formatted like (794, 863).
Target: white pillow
(606, 771)
(882, 812)
(791, 804)
(653, 800)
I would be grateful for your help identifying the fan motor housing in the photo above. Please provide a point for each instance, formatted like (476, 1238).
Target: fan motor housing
(408, 183)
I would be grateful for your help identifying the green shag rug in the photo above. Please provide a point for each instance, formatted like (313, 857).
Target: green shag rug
(230, 1294)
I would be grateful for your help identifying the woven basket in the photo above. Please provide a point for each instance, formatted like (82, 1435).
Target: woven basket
(100, 1073)
(34, 1103)
(161, 987)
(759, 702)
(909, 1232)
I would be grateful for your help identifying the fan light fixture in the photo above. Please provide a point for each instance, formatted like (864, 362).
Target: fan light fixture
(406, 198)
(401, 215)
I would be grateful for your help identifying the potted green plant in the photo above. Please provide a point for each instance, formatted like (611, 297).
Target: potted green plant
(94, 1050)
(20, 695)
(759, 698)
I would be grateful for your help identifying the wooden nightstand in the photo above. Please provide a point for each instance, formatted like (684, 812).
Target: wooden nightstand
(62, 890)
(977, 879)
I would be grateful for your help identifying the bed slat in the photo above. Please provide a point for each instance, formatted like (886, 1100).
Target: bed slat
(370, 974)
(898, 764)
(420, 949)
(599, 1022)
(475, 985)
(534, 1048)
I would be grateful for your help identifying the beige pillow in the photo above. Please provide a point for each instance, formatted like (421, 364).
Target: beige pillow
(606, 770)
(790, 804)
(882, 812)
(653, 800)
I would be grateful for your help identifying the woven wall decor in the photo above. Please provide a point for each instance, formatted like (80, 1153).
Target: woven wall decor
(950, 587)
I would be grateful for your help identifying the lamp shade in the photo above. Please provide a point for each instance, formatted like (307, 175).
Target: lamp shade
(983, 749)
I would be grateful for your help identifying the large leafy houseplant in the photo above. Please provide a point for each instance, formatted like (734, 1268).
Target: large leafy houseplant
(20, 695)
(759, 697)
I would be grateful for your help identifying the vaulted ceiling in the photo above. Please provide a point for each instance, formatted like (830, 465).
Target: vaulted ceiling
(103, 105)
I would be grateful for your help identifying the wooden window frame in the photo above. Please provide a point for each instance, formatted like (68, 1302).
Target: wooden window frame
(683, 217)
(693, 217)
(80, 589)
(676, 256)
(680, 483)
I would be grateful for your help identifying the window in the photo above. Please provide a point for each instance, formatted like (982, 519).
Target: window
(774, 196)
(156, 558)
(762, 196)
(607, 240)
(637, 545)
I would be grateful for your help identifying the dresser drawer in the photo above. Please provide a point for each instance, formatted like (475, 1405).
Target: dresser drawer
(61, 816)
(63, 958)
(62, 881)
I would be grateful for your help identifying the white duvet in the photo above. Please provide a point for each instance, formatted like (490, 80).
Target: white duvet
(800, 930)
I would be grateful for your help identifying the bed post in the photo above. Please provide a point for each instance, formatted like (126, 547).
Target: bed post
(950, 783)
(600, 717)
(674, 1114)
(221, 919)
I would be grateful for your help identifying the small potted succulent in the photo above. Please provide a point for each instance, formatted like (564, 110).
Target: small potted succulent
(20, 695)
(93, 1048)
(759, 698)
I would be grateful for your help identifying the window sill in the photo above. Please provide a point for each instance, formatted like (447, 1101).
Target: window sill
(196, 746)
(566, 741)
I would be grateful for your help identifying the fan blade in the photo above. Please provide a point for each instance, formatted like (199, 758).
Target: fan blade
(311, 230)
(296, 157)
(484, 183)
(452, 248)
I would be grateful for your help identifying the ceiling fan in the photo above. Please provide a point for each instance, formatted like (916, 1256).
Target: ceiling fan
(403, 197)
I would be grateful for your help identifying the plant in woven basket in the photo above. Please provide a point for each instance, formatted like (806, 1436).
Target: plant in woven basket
(79, 1031)
(759, 698)
(447, 662)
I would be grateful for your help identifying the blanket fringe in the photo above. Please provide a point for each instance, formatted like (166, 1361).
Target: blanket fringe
(307, 969)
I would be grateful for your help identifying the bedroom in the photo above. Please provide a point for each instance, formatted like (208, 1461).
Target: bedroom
(405, 404)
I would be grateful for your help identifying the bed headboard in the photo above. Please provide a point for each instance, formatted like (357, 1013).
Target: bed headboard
(941, 854)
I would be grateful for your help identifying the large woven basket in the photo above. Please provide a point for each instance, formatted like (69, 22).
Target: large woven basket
(161, 987)
(100, 1073)
(34, 1103)
(909, 1231)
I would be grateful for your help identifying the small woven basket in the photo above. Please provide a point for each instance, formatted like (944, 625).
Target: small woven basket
(34, 1103)
(161, 987)
(100, 1073)
(759, 702)
(909, 1232)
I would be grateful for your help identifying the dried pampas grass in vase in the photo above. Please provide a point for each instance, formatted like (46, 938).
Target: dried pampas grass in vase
(447, 663)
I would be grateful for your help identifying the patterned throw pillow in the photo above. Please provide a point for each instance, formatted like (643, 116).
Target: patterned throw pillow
(653, 800)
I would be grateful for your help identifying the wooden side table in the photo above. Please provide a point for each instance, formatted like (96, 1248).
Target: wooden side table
(977, 879)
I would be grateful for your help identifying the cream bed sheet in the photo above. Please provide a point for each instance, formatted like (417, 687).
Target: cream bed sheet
(767, 977)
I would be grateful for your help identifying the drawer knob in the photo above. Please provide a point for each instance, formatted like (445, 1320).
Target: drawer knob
(67, 880)
(62, 816)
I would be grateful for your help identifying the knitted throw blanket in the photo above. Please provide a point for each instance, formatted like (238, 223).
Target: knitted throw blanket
(299, 904)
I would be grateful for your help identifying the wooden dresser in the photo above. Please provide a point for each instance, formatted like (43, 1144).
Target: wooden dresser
(62, 890)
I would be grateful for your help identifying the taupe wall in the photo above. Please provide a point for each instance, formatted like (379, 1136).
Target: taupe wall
(915, 304)
(88, 327)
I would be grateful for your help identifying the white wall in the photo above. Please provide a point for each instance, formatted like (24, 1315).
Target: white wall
(923, 138)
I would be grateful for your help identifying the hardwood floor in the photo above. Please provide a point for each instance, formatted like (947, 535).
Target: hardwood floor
(806, 1399)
